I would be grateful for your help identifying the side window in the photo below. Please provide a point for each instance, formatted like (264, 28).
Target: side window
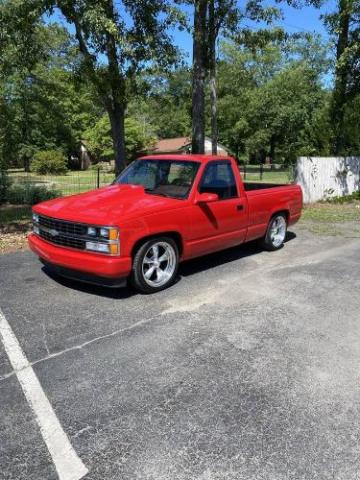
(219, 178)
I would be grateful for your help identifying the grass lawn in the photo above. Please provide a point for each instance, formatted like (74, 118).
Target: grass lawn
(81, 181)
(68, 184)
(332, 219)
(270, 176)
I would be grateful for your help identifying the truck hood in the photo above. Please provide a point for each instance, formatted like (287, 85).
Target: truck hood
(108, 205)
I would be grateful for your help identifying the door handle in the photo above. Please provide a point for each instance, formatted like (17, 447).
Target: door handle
(240, 207)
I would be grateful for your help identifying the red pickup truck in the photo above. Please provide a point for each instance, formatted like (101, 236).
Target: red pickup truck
(161, 210)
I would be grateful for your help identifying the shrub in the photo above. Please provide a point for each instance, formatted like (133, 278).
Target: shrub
(345, 199)
(5, 183)
(49, 162)
(29, 194)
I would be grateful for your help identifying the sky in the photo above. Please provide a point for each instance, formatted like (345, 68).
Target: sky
(306, 19)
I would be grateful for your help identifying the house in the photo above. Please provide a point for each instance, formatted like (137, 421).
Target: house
(183, 145)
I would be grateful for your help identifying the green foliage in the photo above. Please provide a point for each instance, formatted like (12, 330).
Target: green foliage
(11, 214)
(345, 199)
(166, 96)
(272, 98)
(43, 103)
(100, 144)
(30, 194)
(5, 184)
(271, 101)
(51, 162)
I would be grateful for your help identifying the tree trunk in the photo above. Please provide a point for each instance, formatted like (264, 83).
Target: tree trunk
(341, 77)
(117, 121)
(212, 76)
(199, 75)
(118, 102)
(113, 98)
(272, 150)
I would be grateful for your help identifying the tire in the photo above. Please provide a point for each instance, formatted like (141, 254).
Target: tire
(275, 233)
(150, 274)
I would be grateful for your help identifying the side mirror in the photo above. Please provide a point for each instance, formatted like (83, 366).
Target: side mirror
(207, 197)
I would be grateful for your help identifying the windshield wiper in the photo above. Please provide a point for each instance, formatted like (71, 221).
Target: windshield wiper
(153, 192)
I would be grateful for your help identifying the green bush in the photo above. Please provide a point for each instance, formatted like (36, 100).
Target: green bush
(5, 183)
(345, 198)
(28, 194)
(49, 162)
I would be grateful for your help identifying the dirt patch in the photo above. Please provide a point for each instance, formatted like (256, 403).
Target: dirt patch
(15, 224)
(13, 239)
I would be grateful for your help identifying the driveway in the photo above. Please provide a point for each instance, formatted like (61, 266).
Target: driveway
(247, 368)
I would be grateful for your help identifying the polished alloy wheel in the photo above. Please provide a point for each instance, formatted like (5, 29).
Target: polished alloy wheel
(159, 264)
(278, 231)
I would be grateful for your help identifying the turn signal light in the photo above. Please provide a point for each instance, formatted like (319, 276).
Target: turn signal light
(113, 233)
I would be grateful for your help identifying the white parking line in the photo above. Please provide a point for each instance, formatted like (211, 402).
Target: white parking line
(68, 465)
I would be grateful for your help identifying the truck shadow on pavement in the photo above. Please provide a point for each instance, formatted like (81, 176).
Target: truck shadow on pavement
(186, 269)
(115, 293)
(212, 260)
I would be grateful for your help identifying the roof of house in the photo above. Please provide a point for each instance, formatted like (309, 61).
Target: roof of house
(175, 145)
(171, 144)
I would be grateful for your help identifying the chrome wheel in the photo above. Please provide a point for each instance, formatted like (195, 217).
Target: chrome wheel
(159, 264)
(278, 231)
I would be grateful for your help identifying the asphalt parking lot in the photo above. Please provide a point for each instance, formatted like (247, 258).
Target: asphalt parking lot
(247, 368)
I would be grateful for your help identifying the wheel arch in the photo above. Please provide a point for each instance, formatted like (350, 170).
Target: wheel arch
(284, 211)
(171, 234)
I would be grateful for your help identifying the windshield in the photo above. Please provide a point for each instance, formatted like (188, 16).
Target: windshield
(170, 178)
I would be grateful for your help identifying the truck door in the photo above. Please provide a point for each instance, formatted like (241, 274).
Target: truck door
(223, 223)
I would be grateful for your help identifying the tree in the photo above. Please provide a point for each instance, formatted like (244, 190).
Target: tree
(221, 14)
(199, 76)
(114, 50)
(44, 105)
(99, 139)
(275, 105)
(210, 18)
(20, 51)
(344, 25)
(164, 96)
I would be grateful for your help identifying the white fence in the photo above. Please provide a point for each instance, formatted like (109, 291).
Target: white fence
(325, 177)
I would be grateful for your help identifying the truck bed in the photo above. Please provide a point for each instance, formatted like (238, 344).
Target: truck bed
(249, 186)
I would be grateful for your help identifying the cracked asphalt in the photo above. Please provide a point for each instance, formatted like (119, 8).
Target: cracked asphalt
(247, 368)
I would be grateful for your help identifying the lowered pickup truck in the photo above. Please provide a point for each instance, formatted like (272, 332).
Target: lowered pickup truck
(161, 210)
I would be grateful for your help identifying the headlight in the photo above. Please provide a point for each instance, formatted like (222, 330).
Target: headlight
(110, 248)
(35, 219)
(105, 240)
(108, 233)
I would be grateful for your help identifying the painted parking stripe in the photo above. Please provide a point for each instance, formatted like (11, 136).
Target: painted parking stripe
(68, 465)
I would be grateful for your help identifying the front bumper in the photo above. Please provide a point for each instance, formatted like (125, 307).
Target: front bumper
(109, 267)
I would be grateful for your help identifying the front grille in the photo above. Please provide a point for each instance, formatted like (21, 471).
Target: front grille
(63, 241)
(63, 226)
(61, 232)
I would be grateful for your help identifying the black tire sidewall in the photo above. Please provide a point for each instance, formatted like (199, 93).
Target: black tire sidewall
(137, 278)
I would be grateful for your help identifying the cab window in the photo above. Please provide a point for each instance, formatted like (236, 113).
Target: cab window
(219, 178)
